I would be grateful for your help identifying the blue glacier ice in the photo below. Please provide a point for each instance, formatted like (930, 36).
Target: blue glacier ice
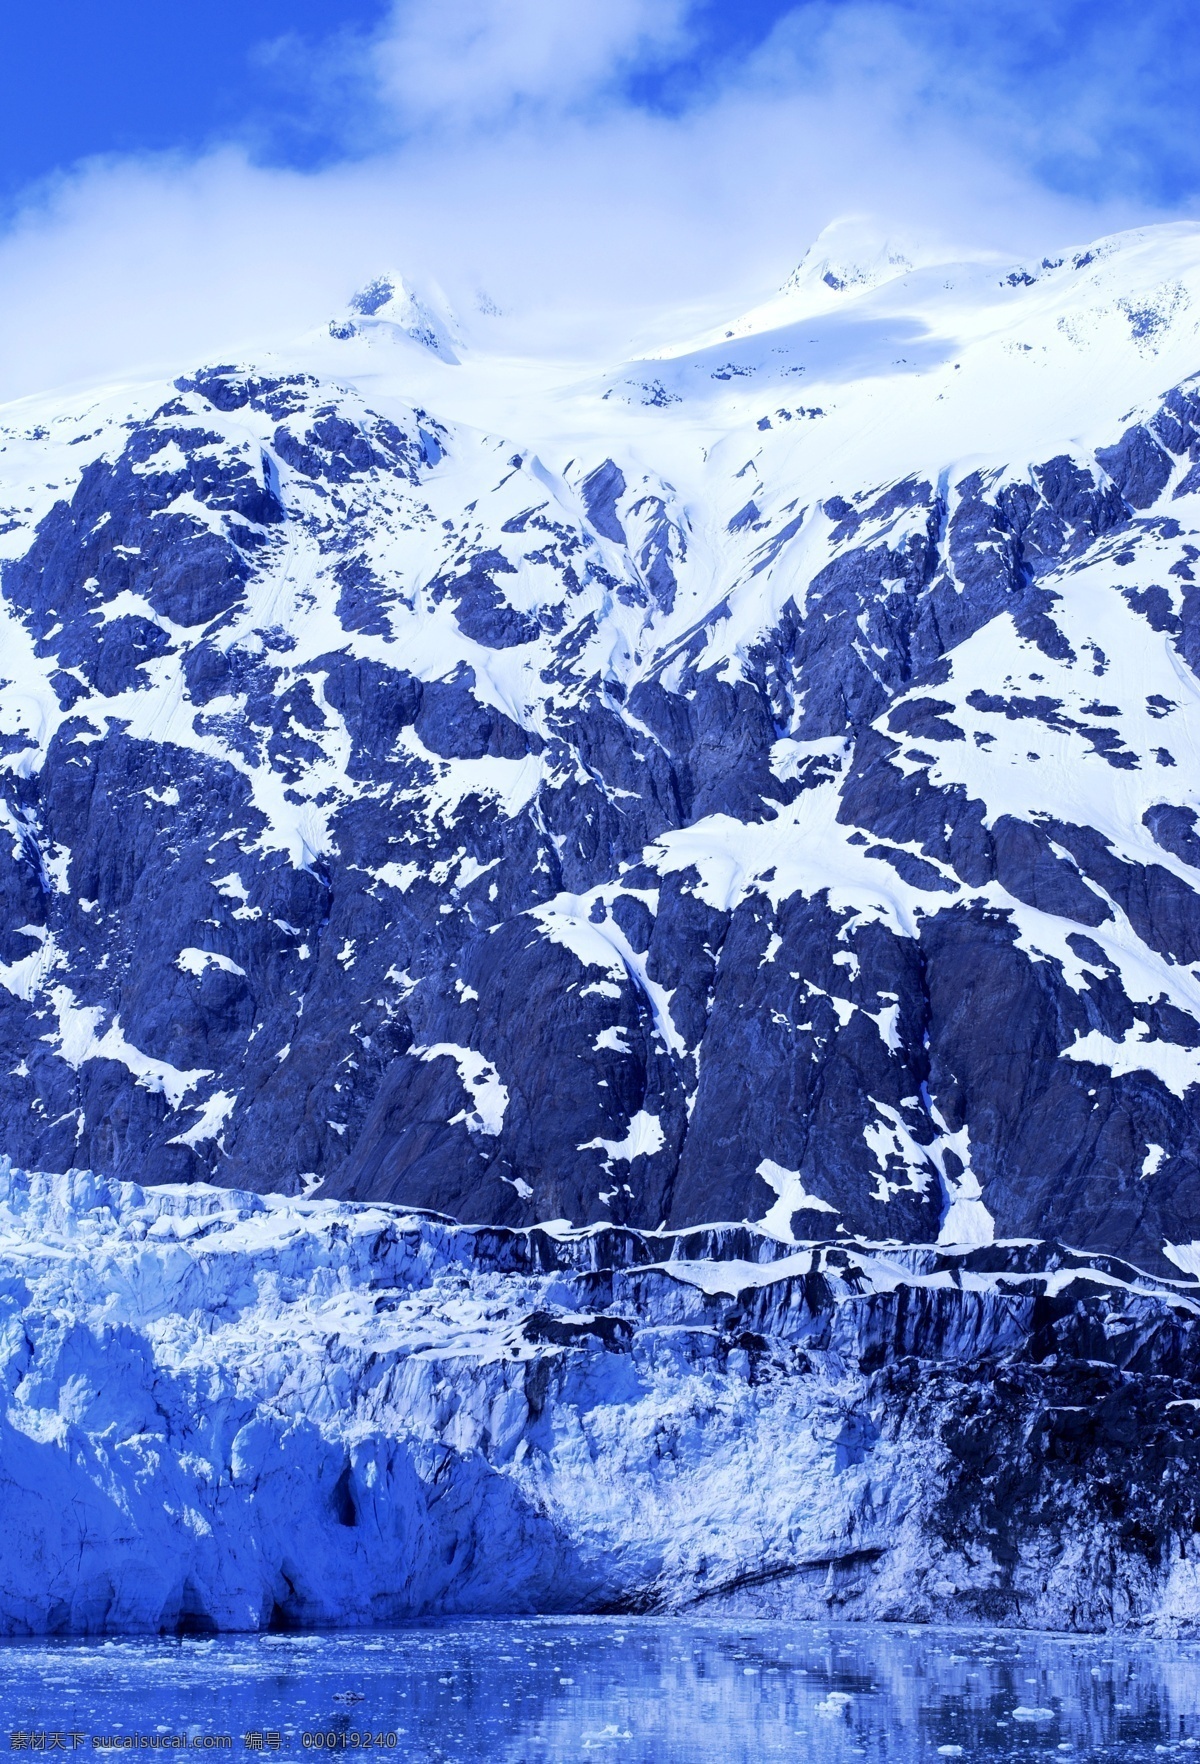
(227, 1411)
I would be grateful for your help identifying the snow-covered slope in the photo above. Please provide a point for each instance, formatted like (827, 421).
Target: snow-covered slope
(757, 781)
(229, 1411)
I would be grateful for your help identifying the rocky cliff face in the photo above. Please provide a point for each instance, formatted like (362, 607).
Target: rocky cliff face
(759, 783)
(223, 1411)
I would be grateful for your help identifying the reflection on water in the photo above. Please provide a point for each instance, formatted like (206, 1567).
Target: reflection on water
(645, 1691)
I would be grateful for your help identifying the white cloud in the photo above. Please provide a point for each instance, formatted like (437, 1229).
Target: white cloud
(475, 59)
(513, 161)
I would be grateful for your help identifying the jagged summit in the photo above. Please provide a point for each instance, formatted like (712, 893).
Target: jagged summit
(388, 307)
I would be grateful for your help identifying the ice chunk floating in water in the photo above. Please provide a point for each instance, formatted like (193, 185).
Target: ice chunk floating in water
(645, 1691)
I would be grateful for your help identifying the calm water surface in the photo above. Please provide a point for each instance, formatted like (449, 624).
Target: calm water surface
(644, 1691)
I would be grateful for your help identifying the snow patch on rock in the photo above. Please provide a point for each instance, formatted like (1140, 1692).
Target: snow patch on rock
(793, 1197)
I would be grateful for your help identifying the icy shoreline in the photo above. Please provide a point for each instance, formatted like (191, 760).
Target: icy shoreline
(227, 1411)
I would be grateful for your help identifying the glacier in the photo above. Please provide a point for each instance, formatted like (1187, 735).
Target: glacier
(230, 1411)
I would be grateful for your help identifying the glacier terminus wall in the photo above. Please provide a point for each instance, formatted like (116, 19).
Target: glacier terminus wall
(227, 1411)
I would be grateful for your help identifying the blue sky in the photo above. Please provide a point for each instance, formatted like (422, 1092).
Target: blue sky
(131, 76)
(1098, 97)
(175, 173)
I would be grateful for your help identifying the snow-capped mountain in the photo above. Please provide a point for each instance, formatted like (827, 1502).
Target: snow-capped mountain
(754, 781)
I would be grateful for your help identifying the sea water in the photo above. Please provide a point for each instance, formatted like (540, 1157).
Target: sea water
(645, 1691)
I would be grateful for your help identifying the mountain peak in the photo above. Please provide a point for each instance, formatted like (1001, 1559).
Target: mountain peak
(852, 254)
(389, 307)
